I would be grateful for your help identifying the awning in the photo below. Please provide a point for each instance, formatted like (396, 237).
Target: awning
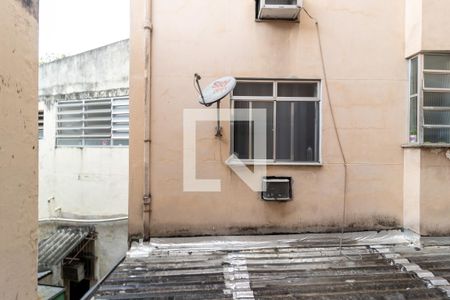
(56, 247)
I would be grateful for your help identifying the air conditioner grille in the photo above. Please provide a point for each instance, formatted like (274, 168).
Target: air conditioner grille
(276, 188)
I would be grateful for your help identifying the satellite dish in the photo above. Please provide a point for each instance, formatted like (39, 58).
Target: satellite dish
(215, 91)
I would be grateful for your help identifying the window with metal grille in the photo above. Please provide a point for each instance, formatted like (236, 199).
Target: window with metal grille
(429, 99)
(41, 124)
(93, 122)
(292, 120)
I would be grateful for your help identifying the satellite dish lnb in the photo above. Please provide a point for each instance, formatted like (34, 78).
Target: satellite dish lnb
(215, 91)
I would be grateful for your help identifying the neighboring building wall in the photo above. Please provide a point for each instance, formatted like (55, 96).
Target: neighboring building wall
(18, 149)
(77, 181)
(363, 44)
(426, 193)
(86, 183)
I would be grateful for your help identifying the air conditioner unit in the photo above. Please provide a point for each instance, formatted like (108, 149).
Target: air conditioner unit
(276, 188)
(74, 272)
(278, 9)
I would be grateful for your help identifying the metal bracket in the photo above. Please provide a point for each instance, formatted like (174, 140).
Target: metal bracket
(147, 200)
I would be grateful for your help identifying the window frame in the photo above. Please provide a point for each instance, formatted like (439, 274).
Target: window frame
(113, 121)
(421, 90)
(273, 99)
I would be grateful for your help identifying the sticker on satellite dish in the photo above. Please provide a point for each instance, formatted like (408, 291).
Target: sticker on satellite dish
(217, 90)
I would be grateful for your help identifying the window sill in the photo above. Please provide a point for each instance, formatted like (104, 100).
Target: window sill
(426, 145)
(237, 162)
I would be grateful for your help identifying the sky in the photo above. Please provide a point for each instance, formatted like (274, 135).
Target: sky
(67, 27)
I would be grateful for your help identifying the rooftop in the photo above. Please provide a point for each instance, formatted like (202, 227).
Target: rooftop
(370, 265)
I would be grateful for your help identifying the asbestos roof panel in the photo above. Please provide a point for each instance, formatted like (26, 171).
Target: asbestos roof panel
(56, 247)
(268, 269)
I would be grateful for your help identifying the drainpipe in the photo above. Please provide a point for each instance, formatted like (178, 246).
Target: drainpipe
(147, 103)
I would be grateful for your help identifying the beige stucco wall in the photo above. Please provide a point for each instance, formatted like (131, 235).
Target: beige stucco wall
(426, 26)
(413, 27)
(426, 29)
(412, 189)
(435, 25)
(367, 80)
(18, 149)
(435, 191)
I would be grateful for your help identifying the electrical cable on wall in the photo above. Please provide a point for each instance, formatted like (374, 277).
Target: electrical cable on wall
(344, 203)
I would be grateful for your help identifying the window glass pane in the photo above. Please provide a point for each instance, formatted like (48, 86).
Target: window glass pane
(70, 108)
(437, 81)
(103, 132)
(70, 117)
(268, 107)
(241, 131)
(91, 124)
(68, 142)
(437, 62)
(69, 132)
(305, 137)
(257, 89)
(413, 120)
(74, 124)
(436, 99)
(436, 117)
(123, 142)
(436, 135)
(413, 76)
(297, 89)
(118, 134)
(283, 139)
(97, 142)
(96, 114)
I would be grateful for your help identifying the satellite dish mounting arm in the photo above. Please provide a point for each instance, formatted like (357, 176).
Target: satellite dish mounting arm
(199, 88)
(215, 92)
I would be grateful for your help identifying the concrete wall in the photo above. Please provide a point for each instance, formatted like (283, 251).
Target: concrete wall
(82, 182)
(100, 69)
(89, 183)
(363, 44)
(18, 149)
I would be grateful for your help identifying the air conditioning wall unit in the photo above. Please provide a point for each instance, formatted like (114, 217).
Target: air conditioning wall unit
(276, 188)
(278, 9)
(74, 272)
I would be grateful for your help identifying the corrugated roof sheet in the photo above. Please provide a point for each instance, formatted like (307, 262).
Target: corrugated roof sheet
(56, 247)
(271, 269)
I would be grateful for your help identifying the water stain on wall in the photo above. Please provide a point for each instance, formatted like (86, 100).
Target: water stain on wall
(32, 6)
